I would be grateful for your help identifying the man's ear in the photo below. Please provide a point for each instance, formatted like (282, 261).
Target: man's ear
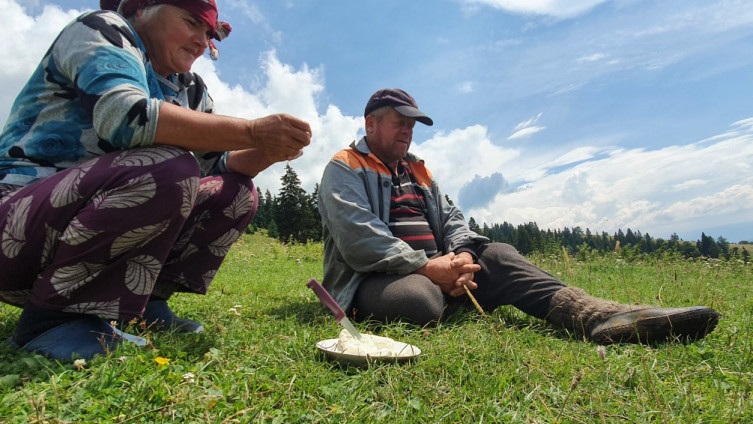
(370, 122)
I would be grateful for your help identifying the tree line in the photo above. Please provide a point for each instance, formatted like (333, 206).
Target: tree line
(292, 216)
(529, 238)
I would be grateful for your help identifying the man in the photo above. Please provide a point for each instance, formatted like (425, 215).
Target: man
(394, 248)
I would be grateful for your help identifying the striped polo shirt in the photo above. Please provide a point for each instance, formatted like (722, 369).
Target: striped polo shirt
(408, 220)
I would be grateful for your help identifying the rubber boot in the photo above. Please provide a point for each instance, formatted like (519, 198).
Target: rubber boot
(158, 315)
(606, 322)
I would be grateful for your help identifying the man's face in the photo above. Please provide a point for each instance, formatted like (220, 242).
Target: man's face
(390, 137)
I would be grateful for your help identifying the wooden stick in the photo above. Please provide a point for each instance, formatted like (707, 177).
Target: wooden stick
(473, 299)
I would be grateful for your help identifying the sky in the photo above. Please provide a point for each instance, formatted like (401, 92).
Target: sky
(599, 114)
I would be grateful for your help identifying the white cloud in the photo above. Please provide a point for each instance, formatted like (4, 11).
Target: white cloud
(285, 89)
(672, 189)
(249, 10)
(560, 9)
(686, 185)
(726, 202)
(229, 12)
(591, 58)
(25, 40)
(574, 155)
(525, 132)
(466, 87)
(456, 157)
(528, 123)
(643, 39)
(526, 128)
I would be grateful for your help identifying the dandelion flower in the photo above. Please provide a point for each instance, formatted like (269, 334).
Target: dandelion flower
(161, 361)
(79, 364)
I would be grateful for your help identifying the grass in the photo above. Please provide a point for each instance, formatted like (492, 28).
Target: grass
(262, 366)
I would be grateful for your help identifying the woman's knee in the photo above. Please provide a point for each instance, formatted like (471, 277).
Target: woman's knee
(233, 191)
(179, 164)
(246, 189)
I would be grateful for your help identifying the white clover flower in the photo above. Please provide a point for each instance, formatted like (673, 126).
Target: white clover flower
(602, 351)
(79, 364)
(189, 377)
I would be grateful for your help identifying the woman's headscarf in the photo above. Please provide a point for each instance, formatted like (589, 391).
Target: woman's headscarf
(204, 9)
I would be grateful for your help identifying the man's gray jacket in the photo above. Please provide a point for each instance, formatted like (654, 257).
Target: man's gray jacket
(354, 202)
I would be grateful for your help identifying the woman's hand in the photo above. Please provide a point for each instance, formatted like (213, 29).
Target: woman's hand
(280, 137)
(275, 138)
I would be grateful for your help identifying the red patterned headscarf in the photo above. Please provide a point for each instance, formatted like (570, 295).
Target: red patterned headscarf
(204, 9)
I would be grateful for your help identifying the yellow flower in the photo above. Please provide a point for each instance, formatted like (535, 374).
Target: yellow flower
(161, 361)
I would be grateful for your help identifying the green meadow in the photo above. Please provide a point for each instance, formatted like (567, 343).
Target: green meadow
(257, 361)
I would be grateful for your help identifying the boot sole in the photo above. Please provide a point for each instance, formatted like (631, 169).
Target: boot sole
(683, 326)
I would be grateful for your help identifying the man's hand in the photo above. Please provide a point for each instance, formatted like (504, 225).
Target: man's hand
(451, 272)
(461, 261)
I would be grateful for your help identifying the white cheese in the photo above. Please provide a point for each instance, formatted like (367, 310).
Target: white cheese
(369, 345)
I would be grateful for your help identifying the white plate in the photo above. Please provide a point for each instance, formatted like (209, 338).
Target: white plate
(329, 347)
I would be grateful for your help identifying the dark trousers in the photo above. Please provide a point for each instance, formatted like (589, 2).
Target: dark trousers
(506, 278)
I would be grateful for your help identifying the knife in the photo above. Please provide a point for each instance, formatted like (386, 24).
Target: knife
(330, 303)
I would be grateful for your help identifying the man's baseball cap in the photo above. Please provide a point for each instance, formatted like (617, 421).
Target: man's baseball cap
(401, 101)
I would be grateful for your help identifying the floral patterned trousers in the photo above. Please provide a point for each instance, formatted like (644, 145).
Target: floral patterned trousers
(101, 237)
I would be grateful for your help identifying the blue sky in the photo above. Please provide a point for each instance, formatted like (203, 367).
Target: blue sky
(601, 114)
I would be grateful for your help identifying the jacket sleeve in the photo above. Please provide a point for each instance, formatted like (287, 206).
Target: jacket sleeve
(363, 240)
(102, 55)
(457, 236)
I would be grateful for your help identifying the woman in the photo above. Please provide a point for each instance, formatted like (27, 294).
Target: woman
(118, 185)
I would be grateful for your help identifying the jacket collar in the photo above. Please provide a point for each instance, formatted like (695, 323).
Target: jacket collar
(361, 147)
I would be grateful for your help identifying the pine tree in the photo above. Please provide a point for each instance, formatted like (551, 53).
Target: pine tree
(261, 219)
(314, 225)
(473, 226)
(292, 208)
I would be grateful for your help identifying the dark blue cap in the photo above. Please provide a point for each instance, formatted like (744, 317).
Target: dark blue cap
(399, 100)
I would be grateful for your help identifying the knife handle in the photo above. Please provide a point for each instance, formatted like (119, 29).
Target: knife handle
(326, 299)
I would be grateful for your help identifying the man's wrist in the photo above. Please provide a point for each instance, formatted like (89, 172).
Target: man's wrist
(468, 256)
